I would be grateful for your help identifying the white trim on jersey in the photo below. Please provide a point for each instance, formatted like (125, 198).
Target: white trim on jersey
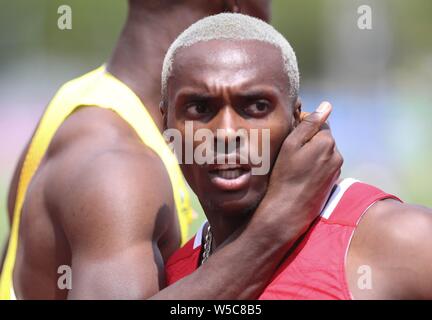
(198, 236)
(337, 196)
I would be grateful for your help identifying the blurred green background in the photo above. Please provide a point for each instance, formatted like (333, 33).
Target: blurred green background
(378, 80)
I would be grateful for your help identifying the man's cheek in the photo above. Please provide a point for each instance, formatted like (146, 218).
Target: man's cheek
(260, 153)
(275, 145)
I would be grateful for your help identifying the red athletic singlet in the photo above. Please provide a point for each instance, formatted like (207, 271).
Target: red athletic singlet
(316, 268)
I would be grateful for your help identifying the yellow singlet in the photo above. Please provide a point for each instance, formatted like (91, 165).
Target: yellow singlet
(97, 88)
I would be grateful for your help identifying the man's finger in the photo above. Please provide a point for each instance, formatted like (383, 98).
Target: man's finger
(303, 115)
(311, 124)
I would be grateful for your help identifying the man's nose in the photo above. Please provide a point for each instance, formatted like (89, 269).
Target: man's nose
(226, 129)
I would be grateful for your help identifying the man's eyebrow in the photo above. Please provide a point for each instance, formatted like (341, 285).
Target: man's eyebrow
(191, 94)
(257, 92)
(247, 93)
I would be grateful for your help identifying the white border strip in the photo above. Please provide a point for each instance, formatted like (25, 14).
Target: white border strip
(198, 236)
(337, 196)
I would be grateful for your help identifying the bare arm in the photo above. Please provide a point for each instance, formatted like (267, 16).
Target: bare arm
(395, 240)
(114, 215)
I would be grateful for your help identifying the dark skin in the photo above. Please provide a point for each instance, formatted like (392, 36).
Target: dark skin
(208, 85)
(101, 201)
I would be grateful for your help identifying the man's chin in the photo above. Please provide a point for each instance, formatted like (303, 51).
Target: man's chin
(236, 208)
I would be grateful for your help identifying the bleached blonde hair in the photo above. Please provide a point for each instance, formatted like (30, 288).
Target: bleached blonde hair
(233, 26)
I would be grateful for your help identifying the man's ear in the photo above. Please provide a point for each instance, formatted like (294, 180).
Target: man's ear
(297, 112)
(163, 111)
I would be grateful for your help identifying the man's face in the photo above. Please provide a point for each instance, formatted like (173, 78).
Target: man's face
(224, 86)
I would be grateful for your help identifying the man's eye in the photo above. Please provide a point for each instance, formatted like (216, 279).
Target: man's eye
(258, 108)
(197, 109)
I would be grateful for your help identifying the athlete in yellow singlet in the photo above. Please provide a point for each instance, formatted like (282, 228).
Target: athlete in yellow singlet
(97, 203)
(97, 188)
(89, 92)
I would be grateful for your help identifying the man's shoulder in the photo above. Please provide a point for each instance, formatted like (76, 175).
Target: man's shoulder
(97, 143)
(105, 171)
(389, 223)
(395, 239)
(91, 128)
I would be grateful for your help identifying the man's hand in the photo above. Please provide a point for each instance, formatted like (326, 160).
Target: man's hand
(302, 178)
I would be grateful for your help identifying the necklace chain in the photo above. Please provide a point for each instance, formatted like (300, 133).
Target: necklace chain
(207, 245)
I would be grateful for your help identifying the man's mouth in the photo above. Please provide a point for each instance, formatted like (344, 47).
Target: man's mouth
(230, 177)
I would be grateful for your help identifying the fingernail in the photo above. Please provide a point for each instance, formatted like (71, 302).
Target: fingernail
(323, 107)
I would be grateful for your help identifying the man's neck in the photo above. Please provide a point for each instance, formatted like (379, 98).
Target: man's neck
(226, 230)
(138, 57)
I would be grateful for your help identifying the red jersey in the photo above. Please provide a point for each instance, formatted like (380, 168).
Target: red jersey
(316, 268)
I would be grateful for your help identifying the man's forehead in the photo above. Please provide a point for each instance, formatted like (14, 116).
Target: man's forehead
(228, 59)
(227, 51)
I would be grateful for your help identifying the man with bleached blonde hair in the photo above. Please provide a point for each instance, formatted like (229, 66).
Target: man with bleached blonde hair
(232, 71)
